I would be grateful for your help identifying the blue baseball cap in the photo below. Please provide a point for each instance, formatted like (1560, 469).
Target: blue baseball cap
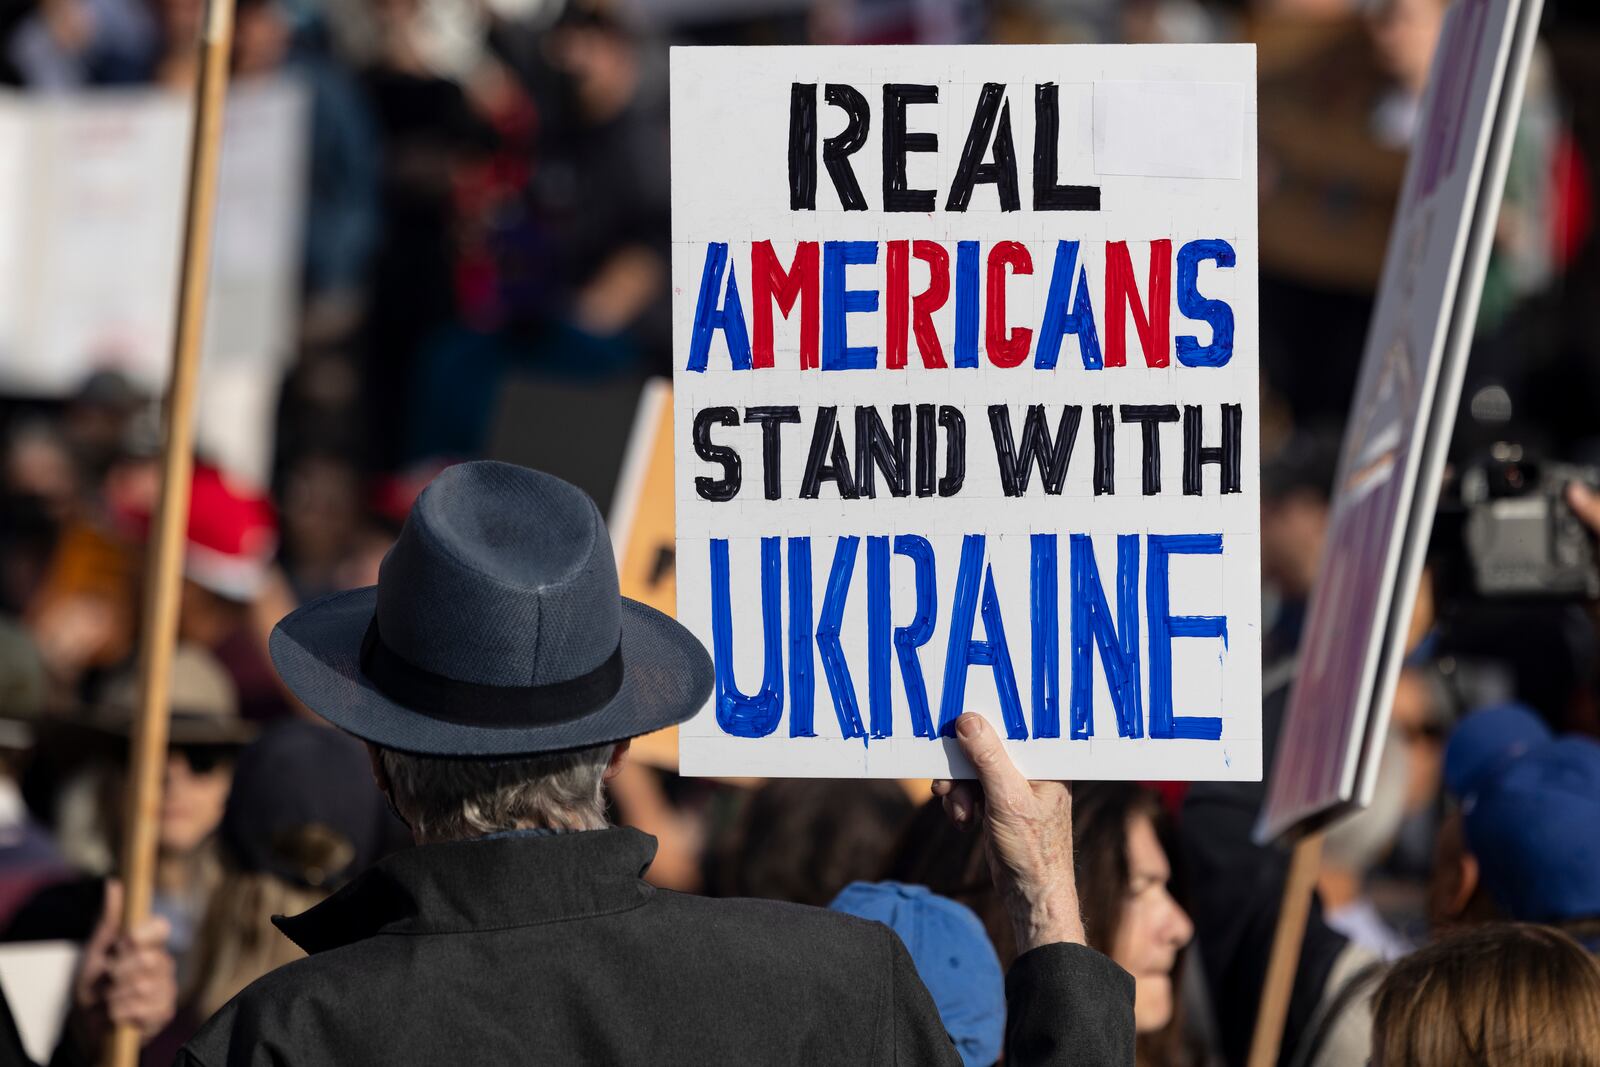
(953, 957)
(1530, 805)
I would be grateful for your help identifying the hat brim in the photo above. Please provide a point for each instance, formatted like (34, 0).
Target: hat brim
(666, 678)
(183, 728)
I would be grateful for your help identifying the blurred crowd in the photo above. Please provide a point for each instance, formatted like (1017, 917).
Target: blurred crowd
(488, 204)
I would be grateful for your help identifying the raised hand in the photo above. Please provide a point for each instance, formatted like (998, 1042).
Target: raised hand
(1028, 831)
(124, 978)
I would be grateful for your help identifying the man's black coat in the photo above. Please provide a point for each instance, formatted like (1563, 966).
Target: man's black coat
(552, 949)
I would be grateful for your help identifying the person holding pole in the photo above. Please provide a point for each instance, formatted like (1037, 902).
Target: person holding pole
(497, 677)
(121, 979)
(125, 980)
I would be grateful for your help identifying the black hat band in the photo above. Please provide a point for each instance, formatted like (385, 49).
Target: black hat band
(491, 706)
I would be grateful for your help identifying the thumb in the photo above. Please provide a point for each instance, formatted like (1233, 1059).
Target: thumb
(93, 964)
(1003, 785)
(105, 931)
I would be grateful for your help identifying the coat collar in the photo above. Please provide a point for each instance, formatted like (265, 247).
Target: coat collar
(482, 885)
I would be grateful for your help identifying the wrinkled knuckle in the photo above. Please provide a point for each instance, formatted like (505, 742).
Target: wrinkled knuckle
(1009, 807)
(986, 758)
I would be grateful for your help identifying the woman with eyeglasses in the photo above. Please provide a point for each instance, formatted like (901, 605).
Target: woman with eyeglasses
(205, 737)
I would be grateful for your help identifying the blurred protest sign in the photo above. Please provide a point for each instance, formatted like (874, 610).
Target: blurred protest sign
(642, 533)
(641, 520)
(91, 192)
(965, 407)
(578, 431)
(1393, 457)
(1400, 423)
(614, 441)
(36, 977)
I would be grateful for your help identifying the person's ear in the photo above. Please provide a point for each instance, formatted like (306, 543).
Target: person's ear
(380, 776)
(1454, 883)
(1466, 887)
(619, 756)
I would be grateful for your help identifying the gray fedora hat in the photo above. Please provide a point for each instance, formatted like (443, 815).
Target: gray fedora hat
(495, 630)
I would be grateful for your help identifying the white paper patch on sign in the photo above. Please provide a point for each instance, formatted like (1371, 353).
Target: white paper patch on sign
(1169, 129)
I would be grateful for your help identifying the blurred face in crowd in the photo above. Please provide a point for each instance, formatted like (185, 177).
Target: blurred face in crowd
(359, 566)
(603, 66)
(180, 21)
(1306, 9)
(1416, 720)
(96, 430)
(320, 513)
(260, 38)
(394, 16)
(196, 788)
(1152, 928)
(1293, 527)
(38, 465)
(1405, 33)
(206, 619)
(132, 486)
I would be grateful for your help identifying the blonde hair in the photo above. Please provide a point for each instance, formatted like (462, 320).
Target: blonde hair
(238, 942)
(1500, 993)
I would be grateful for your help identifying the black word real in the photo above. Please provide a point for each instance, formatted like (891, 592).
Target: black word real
(988, 156)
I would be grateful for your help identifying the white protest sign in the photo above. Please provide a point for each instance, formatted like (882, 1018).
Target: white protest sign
(37, 979)
(965, 408)
(91, 214)
(1400, 422)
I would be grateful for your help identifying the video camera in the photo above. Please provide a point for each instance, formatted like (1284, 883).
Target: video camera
(1504, 530)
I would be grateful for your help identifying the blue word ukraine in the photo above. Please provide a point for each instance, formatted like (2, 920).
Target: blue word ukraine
(1094, 631)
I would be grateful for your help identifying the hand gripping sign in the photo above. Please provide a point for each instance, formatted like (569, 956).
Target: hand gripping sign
(965, 407)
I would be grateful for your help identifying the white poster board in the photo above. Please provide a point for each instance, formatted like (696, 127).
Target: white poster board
(965, 379)
(91, 218)
(1401, 419)
(37, 979)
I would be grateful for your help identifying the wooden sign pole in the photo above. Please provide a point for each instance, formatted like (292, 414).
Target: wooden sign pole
(164, 570)
(1285, 959)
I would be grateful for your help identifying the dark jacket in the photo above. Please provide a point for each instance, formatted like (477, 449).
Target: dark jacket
(552, 949)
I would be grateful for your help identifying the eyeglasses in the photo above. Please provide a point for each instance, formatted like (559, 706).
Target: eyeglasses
(204, 759)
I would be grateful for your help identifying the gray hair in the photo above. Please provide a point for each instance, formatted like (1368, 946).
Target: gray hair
(444, 799)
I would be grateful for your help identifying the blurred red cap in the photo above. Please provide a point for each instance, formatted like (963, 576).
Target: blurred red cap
(232, 534)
